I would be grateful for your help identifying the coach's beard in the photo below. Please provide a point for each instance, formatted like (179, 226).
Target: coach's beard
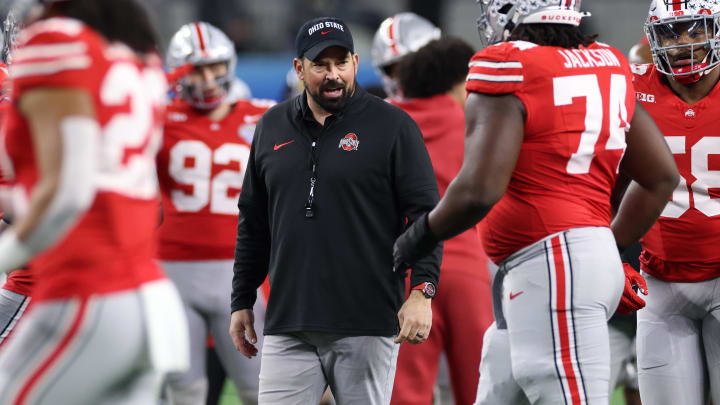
(332, 104)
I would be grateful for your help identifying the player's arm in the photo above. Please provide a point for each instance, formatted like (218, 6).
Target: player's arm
(650, 164)
(65, 137)
(494, 128)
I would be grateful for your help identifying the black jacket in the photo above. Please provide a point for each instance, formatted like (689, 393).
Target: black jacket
(332, 272)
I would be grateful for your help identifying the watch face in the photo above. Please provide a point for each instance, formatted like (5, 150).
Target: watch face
(429, 289)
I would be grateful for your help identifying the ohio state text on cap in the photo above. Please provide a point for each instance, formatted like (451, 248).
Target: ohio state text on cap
(320, 33)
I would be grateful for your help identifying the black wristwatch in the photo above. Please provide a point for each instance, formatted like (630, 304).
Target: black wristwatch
(428, 289)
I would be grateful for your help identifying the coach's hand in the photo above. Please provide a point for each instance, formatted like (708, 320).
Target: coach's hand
(242, 332)
(415, 318)
(630, 300)
(415, 243)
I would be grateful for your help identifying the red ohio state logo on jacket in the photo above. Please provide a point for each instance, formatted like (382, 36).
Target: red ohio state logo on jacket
(349, 142)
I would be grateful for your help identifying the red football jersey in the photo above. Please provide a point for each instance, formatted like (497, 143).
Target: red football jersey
(684, 243)
(442, 122)
(111, 247)
(19, 281)
(579, 103)
(201, 167)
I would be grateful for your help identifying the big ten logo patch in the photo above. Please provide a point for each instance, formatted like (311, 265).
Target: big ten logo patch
(647, 98)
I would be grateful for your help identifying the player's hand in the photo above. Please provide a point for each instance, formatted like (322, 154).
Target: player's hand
(415, 318)
(415, 243)
(242, 332)
(631, 301)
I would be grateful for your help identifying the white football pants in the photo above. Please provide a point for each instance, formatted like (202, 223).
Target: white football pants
(205, 288)
(557, 296)
(105, 349)
(678, 342)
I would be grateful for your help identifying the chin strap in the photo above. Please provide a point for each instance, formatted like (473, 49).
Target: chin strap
(692, 73)
(689, 74)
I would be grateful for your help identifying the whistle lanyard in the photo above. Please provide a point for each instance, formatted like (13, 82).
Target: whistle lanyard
(309, 212)
(314, 162)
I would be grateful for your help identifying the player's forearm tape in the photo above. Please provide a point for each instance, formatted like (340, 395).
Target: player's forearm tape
(13, 253)
(76, 189)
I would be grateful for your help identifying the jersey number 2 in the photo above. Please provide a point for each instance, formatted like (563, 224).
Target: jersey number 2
(567, 88)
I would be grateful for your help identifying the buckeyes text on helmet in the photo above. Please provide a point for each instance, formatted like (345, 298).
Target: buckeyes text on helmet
(684, 37)
(200, 43)
(500, 17)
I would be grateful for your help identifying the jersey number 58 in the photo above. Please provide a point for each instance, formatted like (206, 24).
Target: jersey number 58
(704, 178)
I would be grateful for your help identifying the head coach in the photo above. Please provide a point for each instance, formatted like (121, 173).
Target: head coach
(334, 175)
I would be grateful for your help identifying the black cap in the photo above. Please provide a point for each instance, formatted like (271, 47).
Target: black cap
(320, 33)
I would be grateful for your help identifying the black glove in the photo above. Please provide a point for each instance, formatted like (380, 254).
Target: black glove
(415, 243)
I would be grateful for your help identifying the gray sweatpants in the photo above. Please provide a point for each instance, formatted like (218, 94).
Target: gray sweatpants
(205, 288)
(296, 368)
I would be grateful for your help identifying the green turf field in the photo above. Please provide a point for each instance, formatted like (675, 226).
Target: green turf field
(229, 397)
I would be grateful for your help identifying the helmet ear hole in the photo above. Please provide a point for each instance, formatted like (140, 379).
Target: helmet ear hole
(388, 69)
(505, 9)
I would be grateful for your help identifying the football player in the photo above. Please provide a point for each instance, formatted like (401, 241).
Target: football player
(622, 328)
(432, 81)
(201, 167)
(83, 130)
(15, 292)
(678, 337)
(396, 37)
(550, 120)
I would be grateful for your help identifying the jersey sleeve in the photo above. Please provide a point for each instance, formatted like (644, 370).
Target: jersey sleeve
(497, 69)
(641, 73)
(58, 53)
(252, 110)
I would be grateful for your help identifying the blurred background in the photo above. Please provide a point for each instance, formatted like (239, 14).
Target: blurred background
(264, 30)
